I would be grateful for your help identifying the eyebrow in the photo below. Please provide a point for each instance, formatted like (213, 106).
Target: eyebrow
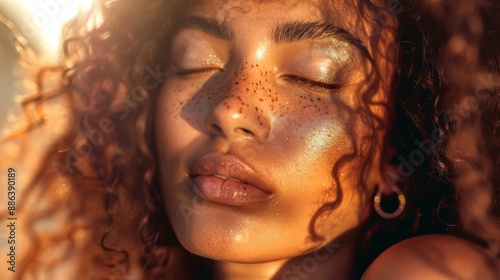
(299, 30)
(282, 33)
(210, 26)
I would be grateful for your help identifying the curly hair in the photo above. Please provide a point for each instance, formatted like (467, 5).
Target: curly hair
(106, 55)
(470, 67)
(112, 52)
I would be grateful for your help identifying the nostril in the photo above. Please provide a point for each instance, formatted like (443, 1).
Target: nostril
(246, 131)
(215, 130)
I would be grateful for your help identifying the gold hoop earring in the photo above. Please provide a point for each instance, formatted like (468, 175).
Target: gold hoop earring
(378, 198)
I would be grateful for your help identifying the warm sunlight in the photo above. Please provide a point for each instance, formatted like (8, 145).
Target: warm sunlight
(47, 17)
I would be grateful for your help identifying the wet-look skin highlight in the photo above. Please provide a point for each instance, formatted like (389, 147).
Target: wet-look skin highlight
(259, 107)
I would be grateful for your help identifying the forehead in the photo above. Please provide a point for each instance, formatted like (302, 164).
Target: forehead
(244, 13)
(221, 7)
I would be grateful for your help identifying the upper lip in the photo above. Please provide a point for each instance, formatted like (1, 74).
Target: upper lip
(227, 166)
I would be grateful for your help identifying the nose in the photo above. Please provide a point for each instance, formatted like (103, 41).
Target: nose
(240, 112)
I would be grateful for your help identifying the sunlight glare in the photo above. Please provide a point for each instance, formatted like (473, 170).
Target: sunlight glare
(49, 16)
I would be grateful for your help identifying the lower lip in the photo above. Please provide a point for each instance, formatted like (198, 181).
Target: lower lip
(227, 192)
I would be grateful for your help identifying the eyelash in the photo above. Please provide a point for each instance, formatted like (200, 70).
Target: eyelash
(305, 81)
(182, 71)
(314, 83)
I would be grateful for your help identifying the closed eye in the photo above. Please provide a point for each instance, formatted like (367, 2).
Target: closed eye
(313, 83)
(183, 71)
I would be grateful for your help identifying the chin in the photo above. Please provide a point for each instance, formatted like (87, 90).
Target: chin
(215, 248)
(217, 244)
(232, 243)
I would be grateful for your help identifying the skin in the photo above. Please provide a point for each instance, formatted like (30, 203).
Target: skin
(433, 257)
(241, 97)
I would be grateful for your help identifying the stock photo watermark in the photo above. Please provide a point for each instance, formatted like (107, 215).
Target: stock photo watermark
(310, 264)
(11, 219)
(459, 112)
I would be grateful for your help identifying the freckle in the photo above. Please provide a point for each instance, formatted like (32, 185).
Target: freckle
(236, 83)
(254, 91)
(304, 107)
(261, 124)
(228, 107)
(261, 99)
(257, 65)
(241, 110)
(312, 100)
(248, 89)
(269, 90)
(256, 109)
(208, 98)
(319, 99)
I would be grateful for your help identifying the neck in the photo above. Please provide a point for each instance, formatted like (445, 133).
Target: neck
(334, 261)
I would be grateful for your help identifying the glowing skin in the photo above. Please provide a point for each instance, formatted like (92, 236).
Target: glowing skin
(286, 110)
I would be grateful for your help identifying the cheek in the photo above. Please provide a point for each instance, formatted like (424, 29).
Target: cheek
(318, 136)
(173, 119)
(322, 136)
(316, 130)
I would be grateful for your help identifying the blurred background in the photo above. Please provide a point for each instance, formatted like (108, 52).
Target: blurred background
(39, 22)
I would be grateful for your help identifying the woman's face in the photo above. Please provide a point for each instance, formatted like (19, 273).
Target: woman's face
(263, 102)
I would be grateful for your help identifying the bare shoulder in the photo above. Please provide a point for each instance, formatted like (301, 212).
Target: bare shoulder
(434, 257)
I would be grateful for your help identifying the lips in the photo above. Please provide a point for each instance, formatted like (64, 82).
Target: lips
(225, 179)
